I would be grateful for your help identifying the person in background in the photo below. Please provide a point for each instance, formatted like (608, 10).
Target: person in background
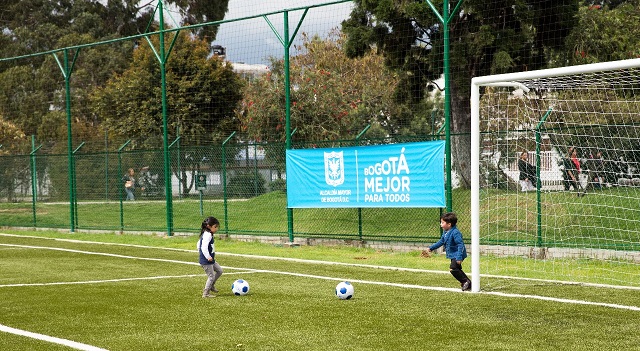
(571, 171)
(129, 184)
(528, 178)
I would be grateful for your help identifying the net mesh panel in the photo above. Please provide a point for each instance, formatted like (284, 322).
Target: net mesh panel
(578, 231)
(117, 112)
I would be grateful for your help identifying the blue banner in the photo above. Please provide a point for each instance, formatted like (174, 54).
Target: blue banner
(397, 175)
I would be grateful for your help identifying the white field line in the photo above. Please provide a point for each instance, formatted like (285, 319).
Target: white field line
(121, 279)
(300, 260)
(417, 270)
(51, 339)
(98, 253)
(410, 286)
(563, 282)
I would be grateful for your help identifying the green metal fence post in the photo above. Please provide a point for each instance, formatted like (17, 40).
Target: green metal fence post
(72, 220)
(286, 40)
(447, 102)
(255, 169)
(120, 187)
(445, 19)
(287, 98)
(106, 165)
(359, 208)
(179, 168)
(201, 206)
(66, 67)
(224, 181)
(163, 55)
(177, 142)
(73, 179)
(34, 180)
(165, 128)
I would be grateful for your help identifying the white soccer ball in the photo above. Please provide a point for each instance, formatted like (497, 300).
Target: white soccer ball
(240, 287)
(344, 290)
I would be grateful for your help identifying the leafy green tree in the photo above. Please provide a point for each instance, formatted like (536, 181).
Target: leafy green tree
(601, 3)
(333, 97)
(202, 92)
(12, 138)
(606, 33)
(13, 169)
(23, 96)
(36, 25)
(32, 88)
(194, 12)
(487, 37)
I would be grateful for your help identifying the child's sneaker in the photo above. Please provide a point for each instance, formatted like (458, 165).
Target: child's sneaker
(466, 286)
(207, 296)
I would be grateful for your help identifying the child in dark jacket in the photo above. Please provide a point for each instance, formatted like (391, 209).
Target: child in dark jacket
(454, 247)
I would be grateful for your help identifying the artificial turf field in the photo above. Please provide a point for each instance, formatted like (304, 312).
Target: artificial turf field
(61, 291)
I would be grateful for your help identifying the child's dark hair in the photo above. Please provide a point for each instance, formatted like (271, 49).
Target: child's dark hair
(450, 217)
(209, 221)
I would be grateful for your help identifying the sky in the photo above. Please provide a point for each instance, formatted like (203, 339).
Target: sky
(253, 41)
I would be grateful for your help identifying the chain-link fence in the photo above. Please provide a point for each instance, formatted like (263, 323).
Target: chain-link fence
(243, 184)
(200, 115)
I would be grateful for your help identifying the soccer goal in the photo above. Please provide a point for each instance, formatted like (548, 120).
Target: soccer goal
(572, 215)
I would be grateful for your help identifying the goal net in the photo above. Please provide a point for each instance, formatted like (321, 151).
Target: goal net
(556, 177)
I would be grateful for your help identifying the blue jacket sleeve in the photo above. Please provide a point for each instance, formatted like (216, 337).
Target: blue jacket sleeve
(438, 244)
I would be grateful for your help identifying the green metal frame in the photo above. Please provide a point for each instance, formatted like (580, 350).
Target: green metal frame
(72, 178)
(360, 209)
(67, 68)
(34, 178)
(120, 187)
(445, 19)
(224, 181)
(67, 63)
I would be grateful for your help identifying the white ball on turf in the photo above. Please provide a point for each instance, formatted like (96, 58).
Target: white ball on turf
(240, 287)
(344, 290)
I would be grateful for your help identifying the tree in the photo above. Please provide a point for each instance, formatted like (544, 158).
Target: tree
(201, 92)
(333, 97)
(12, 169)
(194, 12)
(12, 138)
(36, 24)
(486, 37)
(606, 33)
(31, 88)
(23, 96)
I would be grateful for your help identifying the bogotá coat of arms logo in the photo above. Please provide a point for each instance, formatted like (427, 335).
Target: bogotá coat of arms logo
(334, 168)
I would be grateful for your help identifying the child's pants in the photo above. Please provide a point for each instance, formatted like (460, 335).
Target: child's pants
(456, 271)
(214, 271)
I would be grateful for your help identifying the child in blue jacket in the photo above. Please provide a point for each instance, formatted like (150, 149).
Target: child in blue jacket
(454, 248)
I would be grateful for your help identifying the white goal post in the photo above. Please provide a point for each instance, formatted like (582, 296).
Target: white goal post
(548, 113)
